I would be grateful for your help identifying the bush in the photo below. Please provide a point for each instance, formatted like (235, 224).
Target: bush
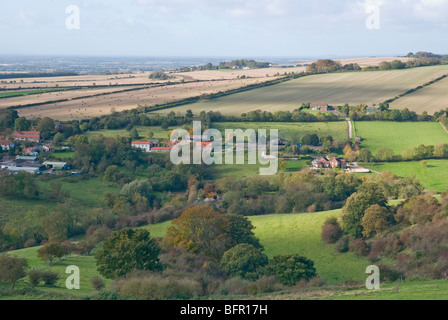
(359, 247)
(289, 269)
(49, 278)
(244, 260)
(156, 287)
(34, 277)
(234, 286)
(331, 233)
(97, 282)
(342, 244)
(30, 243)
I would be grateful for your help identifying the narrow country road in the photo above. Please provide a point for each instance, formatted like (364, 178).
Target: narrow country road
(349, 125)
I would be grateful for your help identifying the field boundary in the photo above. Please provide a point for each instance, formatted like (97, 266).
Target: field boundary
(410, 91)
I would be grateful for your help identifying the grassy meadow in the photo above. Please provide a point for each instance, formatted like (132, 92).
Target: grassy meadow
(300, 233)
(433, 175)
(292, 131)
(399, 135)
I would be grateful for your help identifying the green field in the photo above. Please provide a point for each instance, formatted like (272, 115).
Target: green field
(433, 176)
(25, 93)
(432, 98)
(300, 233)
(89, 193)
(399, 135)
(86, 265)
(335, 89)
(291, 131)
(159, 133)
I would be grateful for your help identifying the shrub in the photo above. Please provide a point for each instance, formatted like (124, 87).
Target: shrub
(359, 247)
(342, 244)
(331, 233)
(234, 286)
(289, 269)
(49, 278)
(97, 282)
(30, 243)
(34, 277)
(244, 260)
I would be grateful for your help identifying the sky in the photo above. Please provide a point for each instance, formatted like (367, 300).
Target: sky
(237, 28)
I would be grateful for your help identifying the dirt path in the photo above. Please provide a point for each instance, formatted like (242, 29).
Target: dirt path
(349, 125)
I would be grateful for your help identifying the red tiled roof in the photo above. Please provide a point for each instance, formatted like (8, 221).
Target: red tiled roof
(161, 148)
(141, 142)
(26, 135)
(4, 142)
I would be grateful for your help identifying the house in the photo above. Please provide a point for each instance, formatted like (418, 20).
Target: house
(33, 136)
(30, 152)
(205, 146)
(145, 146)
(47, 148)
(5, 145)
(319, 107)
(334, 163)
(372, 109)
(321, 163)
(338, 163)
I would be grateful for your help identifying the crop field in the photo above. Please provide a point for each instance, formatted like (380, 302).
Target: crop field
(54, 95)
(433, 175)
(431, 99)
(102, 105)
(335, 89)
(400, 135)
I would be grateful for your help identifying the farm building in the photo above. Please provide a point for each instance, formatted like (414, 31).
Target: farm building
(30, 159)
(372, 109)
(33, 136)
(14, 169)
(56, 165)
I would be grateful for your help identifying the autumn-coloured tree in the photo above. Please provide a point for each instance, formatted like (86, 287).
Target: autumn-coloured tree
(201, 229)
(376, 219)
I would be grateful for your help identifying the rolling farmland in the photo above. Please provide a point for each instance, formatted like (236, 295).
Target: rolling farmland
(431, 99)
(88, 107)
(399, 136)
(335, 89)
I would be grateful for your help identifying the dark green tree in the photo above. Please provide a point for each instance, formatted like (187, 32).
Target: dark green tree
(127, 250)
(12, 269)
(245, 261)
(289, 269)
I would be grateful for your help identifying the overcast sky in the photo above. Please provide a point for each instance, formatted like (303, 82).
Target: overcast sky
(240, 28)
